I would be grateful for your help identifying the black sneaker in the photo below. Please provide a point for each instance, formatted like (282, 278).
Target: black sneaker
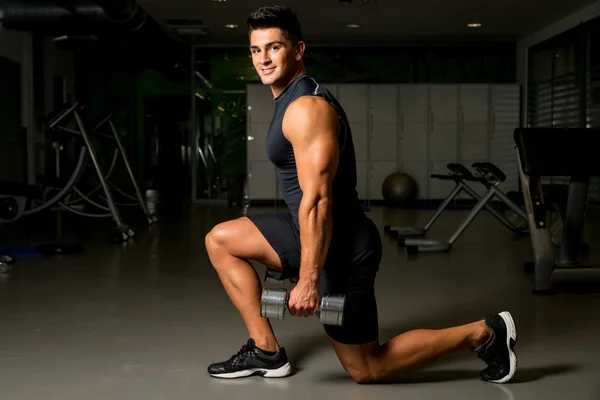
(251, 360)
(498, 352)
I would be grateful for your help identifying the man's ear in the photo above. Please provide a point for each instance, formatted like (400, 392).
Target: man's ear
(300, 48)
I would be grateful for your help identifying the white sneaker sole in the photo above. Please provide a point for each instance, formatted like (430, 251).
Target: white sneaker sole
(280, 372)
(511, 335)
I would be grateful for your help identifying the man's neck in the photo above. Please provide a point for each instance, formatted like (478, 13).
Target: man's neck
(277, 90)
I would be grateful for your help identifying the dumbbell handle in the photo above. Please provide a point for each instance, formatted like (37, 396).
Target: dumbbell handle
(286, 304)
(330, 309)
(287, 299)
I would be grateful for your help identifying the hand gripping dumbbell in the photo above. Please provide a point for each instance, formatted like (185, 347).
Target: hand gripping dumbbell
(274, 303)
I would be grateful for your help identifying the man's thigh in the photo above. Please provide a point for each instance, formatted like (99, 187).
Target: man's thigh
(242, 238)
(280, 233)
(356, 341)
(351, 271)
(361, 322)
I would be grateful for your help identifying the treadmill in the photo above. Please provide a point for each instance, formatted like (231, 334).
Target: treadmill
(558, 152)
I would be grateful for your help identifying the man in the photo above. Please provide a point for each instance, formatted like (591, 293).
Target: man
(325, 241)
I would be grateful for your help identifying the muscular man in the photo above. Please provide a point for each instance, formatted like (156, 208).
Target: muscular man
(325, 241)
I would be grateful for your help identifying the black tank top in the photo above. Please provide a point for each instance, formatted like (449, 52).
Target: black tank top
(345, 204)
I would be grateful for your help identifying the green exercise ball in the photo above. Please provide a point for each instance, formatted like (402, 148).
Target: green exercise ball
(399, 189)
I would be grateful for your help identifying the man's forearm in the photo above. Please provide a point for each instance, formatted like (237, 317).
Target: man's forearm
(315, 221)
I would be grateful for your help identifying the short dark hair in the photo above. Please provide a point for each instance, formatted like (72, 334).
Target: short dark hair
(277, 17)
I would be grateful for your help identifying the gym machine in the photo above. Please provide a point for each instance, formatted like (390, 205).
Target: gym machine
(492, 177)
(5, 259)
(137, 199)
(554, 152)
(461, 176)
(5, 264)
(14, 207)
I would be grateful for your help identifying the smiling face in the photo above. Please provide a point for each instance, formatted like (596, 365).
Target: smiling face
(276, 59)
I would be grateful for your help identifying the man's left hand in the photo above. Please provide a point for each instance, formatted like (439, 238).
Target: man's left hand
(304, 299)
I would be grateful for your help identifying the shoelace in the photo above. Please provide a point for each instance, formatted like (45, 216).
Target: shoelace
(245, 350)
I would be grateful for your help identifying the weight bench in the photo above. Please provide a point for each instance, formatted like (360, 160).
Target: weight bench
(461, 176)
(552, 152)
(491, 176)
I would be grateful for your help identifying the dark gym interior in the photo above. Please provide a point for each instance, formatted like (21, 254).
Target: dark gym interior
(129, 129)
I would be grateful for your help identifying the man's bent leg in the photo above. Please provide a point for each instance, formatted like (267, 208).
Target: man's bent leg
(230, 245)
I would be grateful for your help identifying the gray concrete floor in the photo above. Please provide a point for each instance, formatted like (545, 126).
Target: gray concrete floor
(143, 321)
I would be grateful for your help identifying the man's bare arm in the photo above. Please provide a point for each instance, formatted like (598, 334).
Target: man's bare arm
(311, 125)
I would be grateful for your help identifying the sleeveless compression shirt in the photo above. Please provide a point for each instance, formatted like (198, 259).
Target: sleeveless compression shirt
(345, 203)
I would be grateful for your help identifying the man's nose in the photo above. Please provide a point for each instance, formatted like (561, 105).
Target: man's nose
(264, 58)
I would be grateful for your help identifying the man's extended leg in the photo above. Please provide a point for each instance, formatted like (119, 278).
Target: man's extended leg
(491, 338)
(356, 342)
(229, 246)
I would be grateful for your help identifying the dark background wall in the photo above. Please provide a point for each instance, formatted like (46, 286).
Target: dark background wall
(230, 70)
(153, 108)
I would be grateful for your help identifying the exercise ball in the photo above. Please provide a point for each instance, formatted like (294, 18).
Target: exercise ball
(399, 189)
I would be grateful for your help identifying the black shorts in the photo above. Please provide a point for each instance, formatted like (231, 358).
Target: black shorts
(352, 264)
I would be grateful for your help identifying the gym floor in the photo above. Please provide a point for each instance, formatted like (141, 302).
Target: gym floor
(143, 321)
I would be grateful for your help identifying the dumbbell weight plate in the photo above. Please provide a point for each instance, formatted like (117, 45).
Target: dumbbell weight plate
(331, 310)
(273, 303)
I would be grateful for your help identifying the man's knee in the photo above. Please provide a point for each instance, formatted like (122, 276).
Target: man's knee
(364, 375)
(217, 238)
(365, 372)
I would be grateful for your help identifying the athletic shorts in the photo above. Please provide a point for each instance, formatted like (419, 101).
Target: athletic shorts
(352, 264)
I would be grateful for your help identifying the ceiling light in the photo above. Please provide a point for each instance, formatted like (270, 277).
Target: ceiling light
(353, 26)
(474, 25)
(231, 26)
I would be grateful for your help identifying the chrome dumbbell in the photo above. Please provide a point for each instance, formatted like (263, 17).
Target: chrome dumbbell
(274, 303)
